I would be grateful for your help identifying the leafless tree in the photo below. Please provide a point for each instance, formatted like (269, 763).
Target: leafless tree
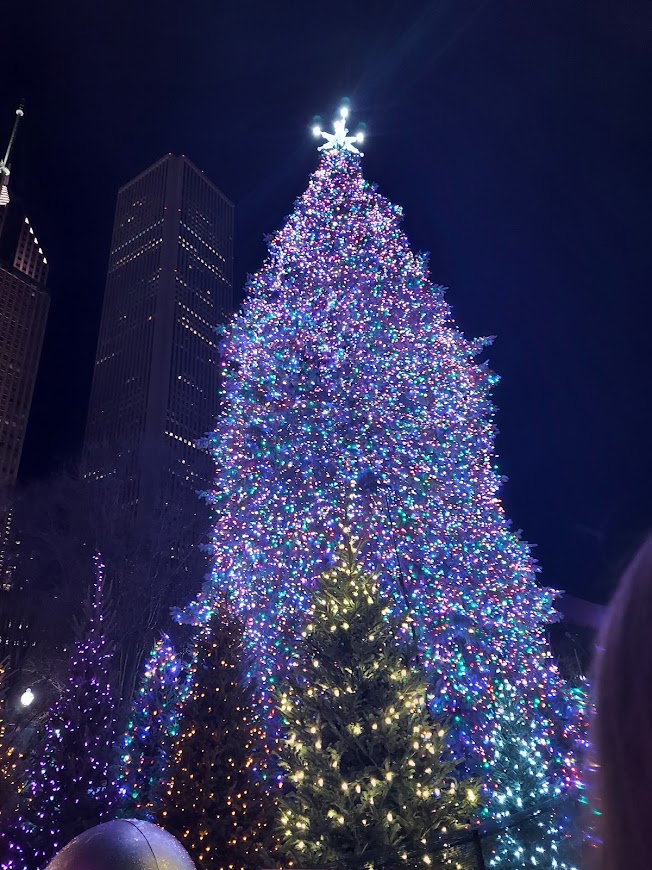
(152, 564)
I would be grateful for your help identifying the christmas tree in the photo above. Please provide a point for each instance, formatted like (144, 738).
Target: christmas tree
(537, 821)
(366, 763)
(68, 787)
(151, 730)
(215, 802)
(345, 367)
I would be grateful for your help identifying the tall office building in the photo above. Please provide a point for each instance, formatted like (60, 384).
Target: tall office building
(156, 378)
(24, 304)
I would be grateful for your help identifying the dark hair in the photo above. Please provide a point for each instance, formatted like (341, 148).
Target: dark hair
(620, 773)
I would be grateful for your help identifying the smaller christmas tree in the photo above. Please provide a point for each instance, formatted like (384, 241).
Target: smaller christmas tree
(371, 783)
(216, 803)
(151, 731)
(532, 813)
(68, 788)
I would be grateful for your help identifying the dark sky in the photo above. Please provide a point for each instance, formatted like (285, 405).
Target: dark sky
(516, 135)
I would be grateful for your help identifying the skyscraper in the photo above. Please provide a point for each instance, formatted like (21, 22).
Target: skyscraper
(24, 304)
(156, 378)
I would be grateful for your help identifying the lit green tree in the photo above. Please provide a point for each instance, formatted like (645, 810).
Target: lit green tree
(370, 780)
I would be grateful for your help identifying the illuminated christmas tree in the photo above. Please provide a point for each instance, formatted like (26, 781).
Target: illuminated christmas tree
(151, 731)
(540, 823)
(368, 778)
(216, 803)
(67, 787)
(345, 368)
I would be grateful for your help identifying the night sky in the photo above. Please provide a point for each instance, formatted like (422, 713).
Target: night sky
(516, 135)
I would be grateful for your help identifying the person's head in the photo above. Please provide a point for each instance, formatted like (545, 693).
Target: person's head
(621, 737)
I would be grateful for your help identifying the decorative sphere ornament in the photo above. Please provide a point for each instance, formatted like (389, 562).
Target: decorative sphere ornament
(124, 844)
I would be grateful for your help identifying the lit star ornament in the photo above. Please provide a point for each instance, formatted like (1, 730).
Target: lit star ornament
(340, 138)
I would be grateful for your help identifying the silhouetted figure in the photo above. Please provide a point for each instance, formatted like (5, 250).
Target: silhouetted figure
(621, 763)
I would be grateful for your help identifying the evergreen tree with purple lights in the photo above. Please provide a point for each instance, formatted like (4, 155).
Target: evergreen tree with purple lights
(345, 368)
(68, 788)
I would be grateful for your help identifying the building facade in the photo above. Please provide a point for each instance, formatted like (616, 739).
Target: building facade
(156, 377)
(24, 305)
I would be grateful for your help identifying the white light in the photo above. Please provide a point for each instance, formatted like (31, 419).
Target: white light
(316, 130)
(27, 698)
(359, 137)
(339, 139)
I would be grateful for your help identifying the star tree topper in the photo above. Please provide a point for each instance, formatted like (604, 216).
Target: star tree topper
(340, 138)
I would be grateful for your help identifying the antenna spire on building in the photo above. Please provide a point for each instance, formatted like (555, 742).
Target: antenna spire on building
(4, 163)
